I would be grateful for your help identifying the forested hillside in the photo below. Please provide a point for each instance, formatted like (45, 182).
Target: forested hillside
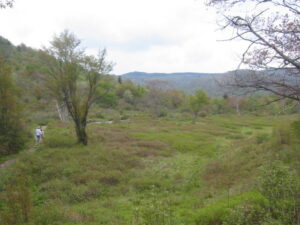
(188, 82)
(26, 71)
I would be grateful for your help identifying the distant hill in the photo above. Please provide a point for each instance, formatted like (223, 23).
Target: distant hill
(188, 82)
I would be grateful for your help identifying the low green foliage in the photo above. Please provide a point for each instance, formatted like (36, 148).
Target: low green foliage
(280, 189)
(59, 138)
(161, 171)
(261, 138)
(17, 199)
(216, 213)
(13, 134)
(155, 211)
(296, 126)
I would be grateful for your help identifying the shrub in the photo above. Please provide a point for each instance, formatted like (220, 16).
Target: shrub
(17, 201)
(260, 138)
(51, 213)
(12, 141)
(155, 211)
(281, 187)
(296, 127)
(283, 133)
(12, 132)
(246, 214)
(218, 212)
(57, 138)
(99, 115)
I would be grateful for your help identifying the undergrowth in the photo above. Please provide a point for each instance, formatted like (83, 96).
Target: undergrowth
(158, 171)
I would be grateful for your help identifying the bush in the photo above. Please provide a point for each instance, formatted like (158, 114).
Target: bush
(283, 134)
(12, 132)
(218, 212)
(155, 212)
(13, 141)
(246, 214)
(17, 201)
(296, 127)
(57, 138)
(261, 138)
(281, 187)
(50, 214)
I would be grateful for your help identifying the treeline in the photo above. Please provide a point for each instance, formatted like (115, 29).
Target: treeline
(159, 102)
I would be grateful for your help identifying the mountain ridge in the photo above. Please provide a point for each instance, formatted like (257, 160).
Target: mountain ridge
(186, 81)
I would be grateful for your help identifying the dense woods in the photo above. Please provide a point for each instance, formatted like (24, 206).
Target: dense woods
(12, 132)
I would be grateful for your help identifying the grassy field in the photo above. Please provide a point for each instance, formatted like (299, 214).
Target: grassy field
(148, 171)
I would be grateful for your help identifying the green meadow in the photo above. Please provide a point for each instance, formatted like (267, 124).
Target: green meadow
(154, 171)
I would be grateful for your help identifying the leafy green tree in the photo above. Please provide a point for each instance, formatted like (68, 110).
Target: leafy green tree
(106, 92)
(11, 128)
(140, 91)
(73, 78)
(128, 96)
(220, 106)
(197, 103)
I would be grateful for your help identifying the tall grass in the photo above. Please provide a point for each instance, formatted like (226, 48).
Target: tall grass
(154, 171)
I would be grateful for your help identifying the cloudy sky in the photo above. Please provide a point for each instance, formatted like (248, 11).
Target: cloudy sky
(139, 35)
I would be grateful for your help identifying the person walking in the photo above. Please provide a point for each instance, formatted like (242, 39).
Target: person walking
(38, 135)
(42, 135)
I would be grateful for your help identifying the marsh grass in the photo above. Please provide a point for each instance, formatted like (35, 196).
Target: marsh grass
(131, 166)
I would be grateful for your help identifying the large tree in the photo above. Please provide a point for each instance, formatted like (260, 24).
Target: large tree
(272, 31)
(73, 78)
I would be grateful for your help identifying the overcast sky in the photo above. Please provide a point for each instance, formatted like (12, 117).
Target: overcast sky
(139, 35)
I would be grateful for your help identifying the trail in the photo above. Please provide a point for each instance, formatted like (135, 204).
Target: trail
(12, 161)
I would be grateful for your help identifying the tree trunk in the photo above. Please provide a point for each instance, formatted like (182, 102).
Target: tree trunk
(59, 111)
(81, 133)
(62, 111)
(195, 118)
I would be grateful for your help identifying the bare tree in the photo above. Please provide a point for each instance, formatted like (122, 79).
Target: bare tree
(6, 3)
(272, 30)
(73, 77)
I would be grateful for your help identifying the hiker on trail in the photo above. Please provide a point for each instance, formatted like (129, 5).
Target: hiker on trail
(42, 134)
(38, 135)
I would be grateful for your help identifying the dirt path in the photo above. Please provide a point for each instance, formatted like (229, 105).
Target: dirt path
(12, 161)
(7, 163)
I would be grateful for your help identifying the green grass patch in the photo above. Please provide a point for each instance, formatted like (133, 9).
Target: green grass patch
(134, 171)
